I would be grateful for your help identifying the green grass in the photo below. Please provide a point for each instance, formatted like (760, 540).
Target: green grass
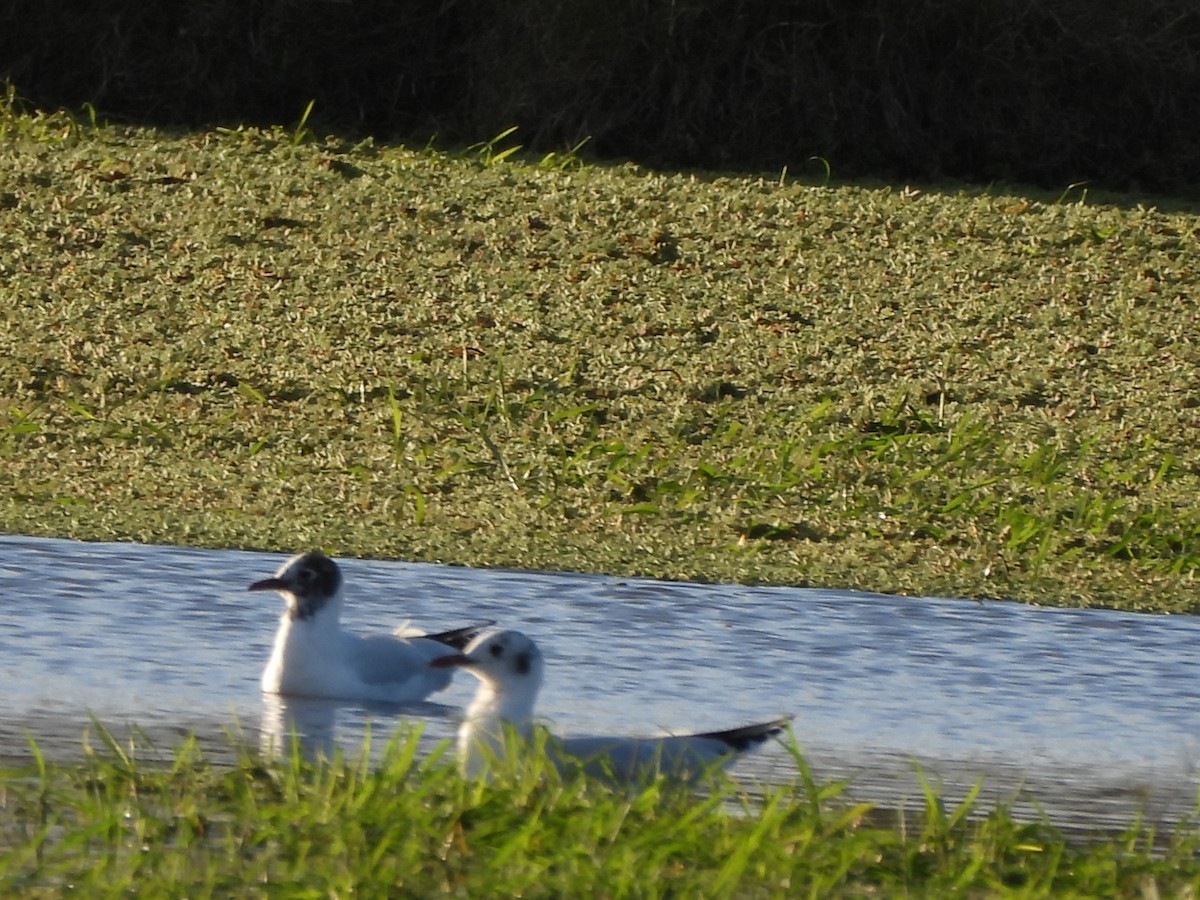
(249, 338)
(132, 819)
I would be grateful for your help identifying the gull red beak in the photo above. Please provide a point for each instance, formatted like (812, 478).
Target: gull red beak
(449, 660)
(268, 584)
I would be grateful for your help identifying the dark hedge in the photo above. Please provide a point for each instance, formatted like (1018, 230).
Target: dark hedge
(1044, 91)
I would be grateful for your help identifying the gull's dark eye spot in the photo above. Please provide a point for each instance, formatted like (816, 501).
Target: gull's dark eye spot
(522, 663)
(497, 649)
(307, 574)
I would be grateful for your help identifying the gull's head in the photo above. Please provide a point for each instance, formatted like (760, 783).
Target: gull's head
(309, 583)
(507, 661)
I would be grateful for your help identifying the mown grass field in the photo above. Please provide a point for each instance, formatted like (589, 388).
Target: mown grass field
(264, 339)
(246, 338)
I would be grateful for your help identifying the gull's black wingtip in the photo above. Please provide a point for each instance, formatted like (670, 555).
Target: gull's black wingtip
(749, 736)
(458, 638)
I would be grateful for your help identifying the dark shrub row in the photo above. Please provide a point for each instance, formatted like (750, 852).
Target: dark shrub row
(1047, 91)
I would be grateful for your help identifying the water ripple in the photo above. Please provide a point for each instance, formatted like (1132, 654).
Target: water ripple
(1095, 708)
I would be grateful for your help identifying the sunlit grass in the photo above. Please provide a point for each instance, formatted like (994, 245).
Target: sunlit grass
(265, 338)
(130, 818)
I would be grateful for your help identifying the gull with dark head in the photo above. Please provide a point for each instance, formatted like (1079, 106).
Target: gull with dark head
(510, 669)
(314, 656)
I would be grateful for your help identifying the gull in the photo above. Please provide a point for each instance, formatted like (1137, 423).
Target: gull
(314, 657)
(510, 668)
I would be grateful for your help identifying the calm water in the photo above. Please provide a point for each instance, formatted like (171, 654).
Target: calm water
(1088, 715)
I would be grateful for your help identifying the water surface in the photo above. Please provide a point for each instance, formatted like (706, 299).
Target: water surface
(1089, 715)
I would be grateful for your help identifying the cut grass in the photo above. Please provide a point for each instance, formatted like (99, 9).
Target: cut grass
(132, 819)
(250, 338)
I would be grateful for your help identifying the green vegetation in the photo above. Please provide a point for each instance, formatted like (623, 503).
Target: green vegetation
(129, 820)
(1040, 91)
(250, 338)
(259, 338)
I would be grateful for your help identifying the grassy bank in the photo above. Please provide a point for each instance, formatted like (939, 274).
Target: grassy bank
(1040, 91)
(261, 339)
(119, 824)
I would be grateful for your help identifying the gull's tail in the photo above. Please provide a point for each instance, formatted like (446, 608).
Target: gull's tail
(748, 736)
(458, 638)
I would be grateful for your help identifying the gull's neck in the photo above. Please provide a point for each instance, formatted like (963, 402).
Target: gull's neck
(325, 616)
(492, 706)
(481, 739)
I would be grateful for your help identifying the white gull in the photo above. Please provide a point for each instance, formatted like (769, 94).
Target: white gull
(314, 656)
(510, 669)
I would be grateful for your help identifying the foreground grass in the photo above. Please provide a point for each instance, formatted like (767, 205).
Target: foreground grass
(117, 825)
(257, 339)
